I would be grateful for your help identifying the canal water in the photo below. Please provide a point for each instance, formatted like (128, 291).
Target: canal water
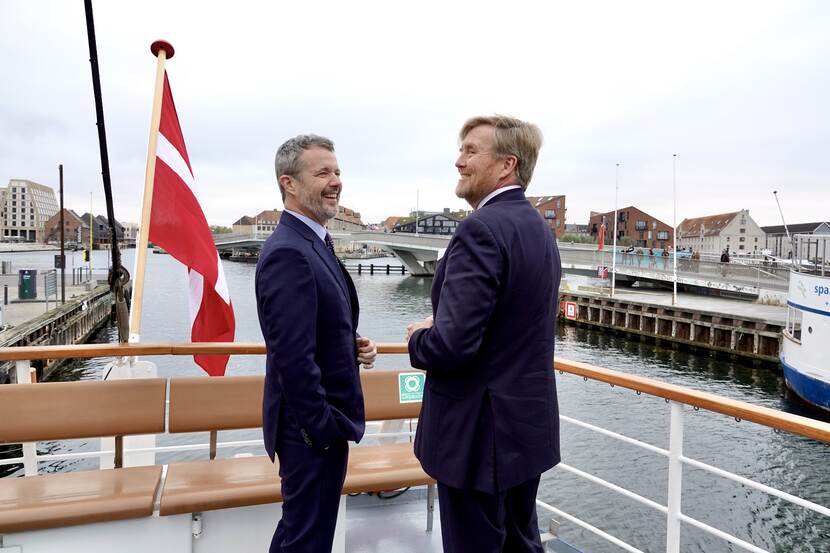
(388, 303)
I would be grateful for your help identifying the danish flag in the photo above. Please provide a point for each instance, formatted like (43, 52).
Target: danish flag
(178, 225)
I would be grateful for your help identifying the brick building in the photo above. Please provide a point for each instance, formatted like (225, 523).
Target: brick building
(553, 209)
(76, 230)
(633, 226)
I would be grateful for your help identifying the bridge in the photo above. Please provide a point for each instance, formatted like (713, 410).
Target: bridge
(420, 253)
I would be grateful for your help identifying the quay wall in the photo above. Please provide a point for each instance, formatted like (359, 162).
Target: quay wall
(731, 334)
(70, 323)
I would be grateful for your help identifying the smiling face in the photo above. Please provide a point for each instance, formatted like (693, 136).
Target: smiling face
(315, 191)
(480, 170)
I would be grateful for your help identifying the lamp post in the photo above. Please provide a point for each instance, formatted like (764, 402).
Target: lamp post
(674, 224)
(614, 247)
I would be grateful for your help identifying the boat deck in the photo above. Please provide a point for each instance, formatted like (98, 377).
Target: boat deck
(396, 525)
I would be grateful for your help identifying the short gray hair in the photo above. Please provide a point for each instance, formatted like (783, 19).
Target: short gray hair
(287, 161)
(514, 137)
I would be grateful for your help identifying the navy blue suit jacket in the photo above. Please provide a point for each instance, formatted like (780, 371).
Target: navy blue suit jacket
(489, 418)
(308, 312)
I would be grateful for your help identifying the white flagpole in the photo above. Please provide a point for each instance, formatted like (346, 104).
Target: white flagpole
(614, 248)
(163, 50)
(674, 223)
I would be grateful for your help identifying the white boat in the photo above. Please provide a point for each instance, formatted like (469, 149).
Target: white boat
(807, 334)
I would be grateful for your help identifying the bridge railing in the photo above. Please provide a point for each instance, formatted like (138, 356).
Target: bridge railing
(661, 267)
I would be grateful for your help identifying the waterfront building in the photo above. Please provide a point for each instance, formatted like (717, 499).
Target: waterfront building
(712, 234)
(25, 206)
(553, 209)
(267, 221)
(76, 229)
(244, 224)
(634, 227)
(389, 223)
(778, 244)
(431, 223)
(576, 228)
(346, 220)
(130, 232)
(101, 233)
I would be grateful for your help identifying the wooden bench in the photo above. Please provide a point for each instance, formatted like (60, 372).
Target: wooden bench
(197, 486)
(71, 410)
(57, 411)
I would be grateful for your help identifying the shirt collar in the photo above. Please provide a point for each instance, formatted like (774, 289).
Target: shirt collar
(495, 193)
(318, 229)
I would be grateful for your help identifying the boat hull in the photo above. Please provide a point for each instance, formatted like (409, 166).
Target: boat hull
(814, 391)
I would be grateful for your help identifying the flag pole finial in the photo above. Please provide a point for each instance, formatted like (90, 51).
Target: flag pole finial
(160, 45)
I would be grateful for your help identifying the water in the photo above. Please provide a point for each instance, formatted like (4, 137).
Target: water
(388, 303)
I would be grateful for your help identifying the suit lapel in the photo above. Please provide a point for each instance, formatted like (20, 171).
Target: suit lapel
(331, 263)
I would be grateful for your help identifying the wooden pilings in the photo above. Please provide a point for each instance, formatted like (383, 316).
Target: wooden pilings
(741, 336)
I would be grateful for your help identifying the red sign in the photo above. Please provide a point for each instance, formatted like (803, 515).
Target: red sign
(570, 310)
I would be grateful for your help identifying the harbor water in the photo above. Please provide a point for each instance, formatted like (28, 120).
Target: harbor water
(388, 303)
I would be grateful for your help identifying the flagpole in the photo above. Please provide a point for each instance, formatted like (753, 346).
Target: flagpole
(614, 249)
(674, 223)
(163, 51)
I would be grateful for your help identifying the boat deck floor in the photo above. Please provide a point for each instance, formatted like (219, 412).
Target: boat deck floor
(396, 525)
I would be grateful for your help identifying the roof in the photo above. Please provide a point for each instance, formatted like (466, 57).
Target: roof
(798, 228)
(245, 220)
(391, 221)
(712, 225)
(270, 215)
(537, 201)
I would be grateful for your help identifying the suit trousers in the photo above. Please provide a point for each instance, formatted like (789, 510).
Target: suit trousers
(477, 522)
(312, 482)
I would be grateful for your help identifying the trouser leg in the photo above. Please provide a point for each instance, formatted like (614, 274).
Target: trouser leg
(476, 522)
(312, 482)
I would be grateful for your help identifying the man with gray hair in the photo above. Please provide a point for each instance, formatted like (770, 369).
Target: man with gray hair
(489, 424)
(308, 312)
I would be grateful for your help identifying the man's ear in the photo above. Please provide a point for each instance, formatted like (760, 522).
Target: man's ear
(288, 184)
(510, 164)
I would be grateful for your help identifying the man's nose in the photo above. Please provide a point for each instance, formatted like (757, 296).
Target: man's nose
(461, 162)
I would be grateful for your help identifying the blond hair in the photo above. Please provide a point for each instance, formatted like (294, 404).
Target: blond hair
(514, 137)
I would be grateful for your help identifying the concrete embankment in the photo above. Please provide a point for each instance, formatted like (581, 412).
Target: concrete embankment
(733, 327)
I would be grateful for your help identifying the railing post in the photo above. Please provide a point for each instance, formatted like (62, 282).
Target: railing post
(675, 478)
(23, 372)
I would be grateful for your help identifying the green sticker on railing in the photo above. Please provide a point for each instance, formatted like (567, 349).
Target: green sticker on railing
(411, 387)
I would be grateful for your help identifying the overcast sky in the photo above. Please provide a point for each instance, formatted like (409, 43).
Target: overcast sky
(739, 90)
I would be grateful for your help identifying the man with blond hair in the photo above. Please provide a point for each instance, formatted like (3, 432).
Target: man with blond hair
(489, 424)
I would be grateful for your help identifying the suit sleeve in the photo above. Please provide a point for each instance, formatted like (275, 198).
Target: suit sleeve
(287, 303)
(465, 304)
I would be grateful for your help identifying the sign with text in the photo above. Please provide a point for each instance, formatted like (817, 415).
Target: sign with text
(570, 310)
(411, 387)
(812, 292)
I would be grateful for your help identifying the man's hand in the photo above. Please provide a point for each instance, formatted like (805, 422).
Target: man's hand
(426, 323)
(367, 350)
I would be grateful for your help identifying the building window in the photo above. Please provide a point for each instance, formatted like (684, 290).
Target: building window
(743, 231)
(550, 214)
(640, 225)
(662, 235)
(741, 247)
(742, 239)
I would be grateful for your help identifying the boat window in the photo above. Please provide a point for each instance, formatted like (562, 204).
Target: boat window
(794, 318)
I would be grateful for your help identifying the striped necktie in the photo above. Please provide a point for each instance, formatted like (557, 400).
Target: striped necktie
(330, 244)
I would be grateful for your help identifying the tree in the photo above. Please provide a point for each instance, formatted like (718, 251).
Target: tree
(217, 229)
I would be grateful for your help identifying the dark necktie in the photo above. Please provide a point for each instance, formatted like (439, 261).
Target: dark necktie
(330, 244)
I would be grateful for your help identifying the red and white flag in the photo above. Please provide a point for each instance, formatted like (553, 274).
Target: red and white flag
(178, 225)
(601, 237)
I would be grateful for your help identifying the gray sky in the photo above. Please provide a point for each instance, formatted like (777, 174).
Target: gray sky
(739, 90)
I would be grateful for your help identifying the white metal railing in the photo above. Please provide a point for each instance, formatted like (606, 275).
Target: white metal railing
(673, 512)
(675, 518)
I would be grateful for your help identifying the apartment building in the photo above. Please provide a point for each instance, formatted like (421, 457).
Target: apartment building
(552, 209)
(712, 234)
(76, 229)
(634, 226)
(25, 207)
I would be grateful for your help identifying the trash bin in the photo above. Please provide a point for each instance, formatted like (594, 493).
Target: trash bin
(27, 284)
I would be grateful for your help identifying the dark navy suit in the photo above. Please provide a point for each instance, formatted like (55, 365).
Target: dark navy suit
(313, 402)
(489, 422)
